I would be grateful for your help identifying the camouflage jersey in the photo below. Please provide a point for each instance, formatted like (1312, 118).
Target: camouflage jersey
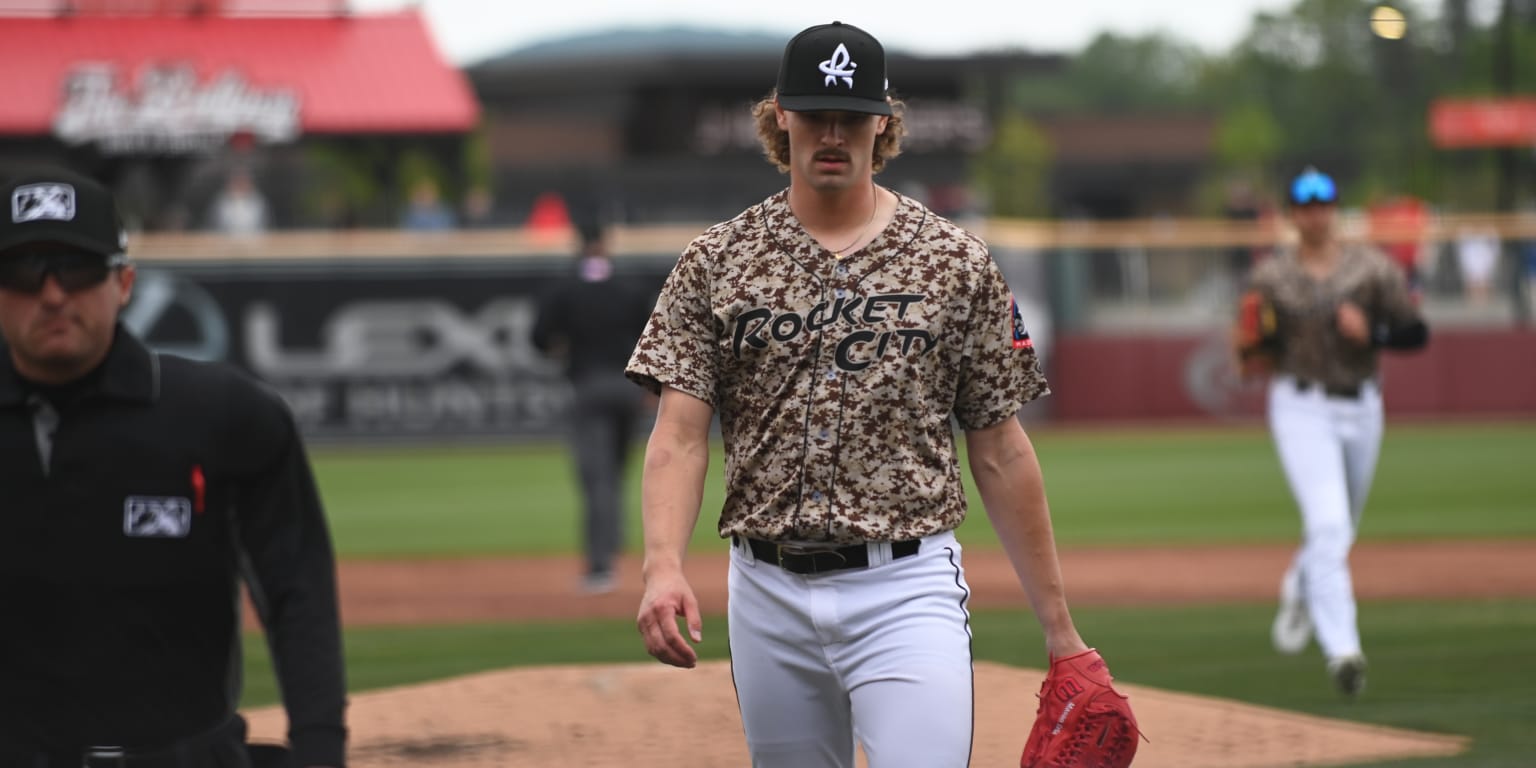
(835, 380)
(1311, 347)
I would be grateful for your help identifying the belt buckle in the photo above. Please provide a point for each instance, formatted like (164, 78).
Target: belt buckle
(779, 550)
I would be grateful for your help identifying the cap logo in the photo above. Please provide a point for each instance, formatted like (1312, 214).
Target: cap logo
(840, 66)
(39, 202)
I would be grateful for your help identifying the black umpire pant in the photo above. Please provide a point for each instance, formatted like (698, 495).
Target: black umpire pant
(602, 427)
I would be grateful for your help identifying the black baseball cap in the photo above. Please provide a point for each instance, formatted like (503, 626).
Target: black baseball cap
(833, 66)
(53, 205)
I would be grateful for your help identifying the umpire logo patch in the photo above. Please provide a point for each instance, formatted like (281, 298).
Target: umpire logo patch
(157, 517)
(42, 202)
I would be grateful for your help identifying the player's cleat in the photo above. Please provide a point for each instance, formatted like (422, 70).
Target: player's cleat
(1348, 673)
(1292, 629)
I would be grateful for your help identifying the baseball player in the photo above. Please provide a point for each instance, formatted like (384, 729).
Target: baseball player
(1317, 316)
(139, 488)
(836, 329)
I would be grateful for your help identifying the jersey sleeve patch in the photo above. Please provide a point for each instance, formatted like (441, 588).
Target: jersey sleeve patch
(1020, 333)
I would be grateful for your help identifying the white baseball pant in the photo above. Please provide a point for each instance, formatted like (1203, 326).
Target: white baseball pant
(1328, 448)
(880, 656)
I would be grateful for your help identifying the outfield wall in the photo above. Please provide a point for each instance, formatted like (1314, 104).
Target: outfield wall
(1131, 377)
(381, 334)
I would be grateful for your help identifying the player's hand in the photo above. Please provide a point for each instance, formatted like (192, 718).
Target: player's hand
(667, 597)
(1352, 324)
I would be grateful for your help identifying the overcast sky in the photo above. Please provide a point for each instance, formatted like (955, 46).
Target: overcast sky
(468, 30)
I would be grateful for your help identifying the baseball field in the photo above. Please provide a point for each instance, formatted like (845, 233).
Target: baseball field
(458, 565)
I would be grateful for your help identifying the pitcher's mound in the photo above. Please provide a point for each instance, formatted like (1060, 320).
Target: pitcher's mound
(642, 715)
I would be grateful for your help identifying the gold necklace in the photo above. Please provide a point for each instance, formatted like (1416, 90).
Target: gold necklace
(837, 253)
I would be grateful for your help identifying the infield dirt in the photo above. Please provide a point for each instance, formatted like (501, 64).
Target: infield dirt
(645, 715)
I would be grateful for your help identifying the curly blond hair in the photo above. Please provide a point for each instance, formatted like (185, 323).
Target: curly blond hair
(775, 140)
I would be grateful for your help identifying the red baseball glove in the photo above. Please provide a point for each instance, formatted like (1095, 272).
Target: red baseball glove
(1256, 336)
(1082, 721)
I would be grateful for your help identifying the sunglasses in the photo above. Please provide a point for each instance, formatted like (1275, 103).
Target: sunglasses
(1313, 187)
(26, 271)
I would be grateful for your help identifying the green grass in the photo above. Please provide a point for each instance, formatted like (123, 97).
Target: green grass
(1106, 488)
(1462, 667)
(1433, 481)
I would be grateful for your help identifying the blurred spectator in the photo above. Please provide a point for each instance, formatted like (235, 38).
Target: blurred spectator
(1525, 253)
(1241, 205)
(479, 210)
(240, 210)
(336, 211)
(427, 212)
(1398, 225)
(550, 219)
(1477, 253)
(1528, 260)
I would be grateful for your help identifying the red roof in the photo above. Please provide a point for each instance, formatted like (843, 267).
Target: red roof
(375, 73)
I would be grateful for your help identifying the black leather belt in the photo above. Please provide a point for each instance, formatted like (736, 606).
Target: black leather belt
(1351, 391)
(797, 558)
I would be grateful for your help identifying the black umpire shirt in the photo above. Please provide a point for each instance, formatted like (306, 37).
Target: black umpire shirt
(598, 319)
(128, 522)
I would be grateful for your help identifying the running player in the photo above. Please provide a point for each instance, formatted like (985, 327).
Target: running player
(1318, 315)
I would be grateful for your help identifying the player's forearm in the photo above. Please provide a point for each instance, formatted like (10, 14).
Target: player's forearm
(1008, 477)
(1019, 514)
(672, 489)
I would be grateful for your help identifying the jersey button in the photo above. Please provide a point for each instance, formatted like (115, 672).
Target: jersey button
(825, 433)
(816, 496)
(842, 269)
(841, 292)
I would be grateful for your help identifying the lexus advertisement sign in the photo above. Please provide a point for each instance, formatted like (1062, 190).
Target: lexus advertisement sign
(377, 349)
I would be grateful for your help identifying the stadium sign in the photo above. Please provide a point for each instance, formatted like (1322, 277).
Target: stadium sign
(167, 110)
(1460, 123)
(374, 348)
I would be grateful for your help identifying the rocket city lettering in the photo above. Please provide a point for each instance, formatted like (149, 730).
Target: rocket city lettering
(864, 343)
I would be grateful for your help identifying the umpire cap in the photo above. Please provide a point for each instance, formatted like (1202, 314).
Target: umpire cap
(53, 205)
(833, 66)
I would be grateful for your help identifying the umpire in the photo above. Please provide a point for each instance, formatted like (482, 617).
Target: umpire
(591, 318)
(139, 488)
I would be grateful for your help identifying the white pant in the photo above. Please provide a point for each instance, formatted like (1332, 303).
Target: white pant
(1328, 448)
(881, 655)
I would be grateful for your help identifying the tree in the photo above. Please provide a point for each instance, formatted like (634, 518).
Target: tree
(1116, 74)
(1248, 140)
(1014, 169)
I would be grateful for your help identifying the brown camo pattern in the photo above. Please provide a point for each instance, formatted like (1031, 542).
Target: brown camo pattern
(1306, 308)
(847, 446)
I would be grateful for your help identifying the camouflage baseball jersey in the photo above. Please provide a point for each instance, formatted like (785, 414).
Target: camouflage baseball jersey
(835, 380)
(1307, 309)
